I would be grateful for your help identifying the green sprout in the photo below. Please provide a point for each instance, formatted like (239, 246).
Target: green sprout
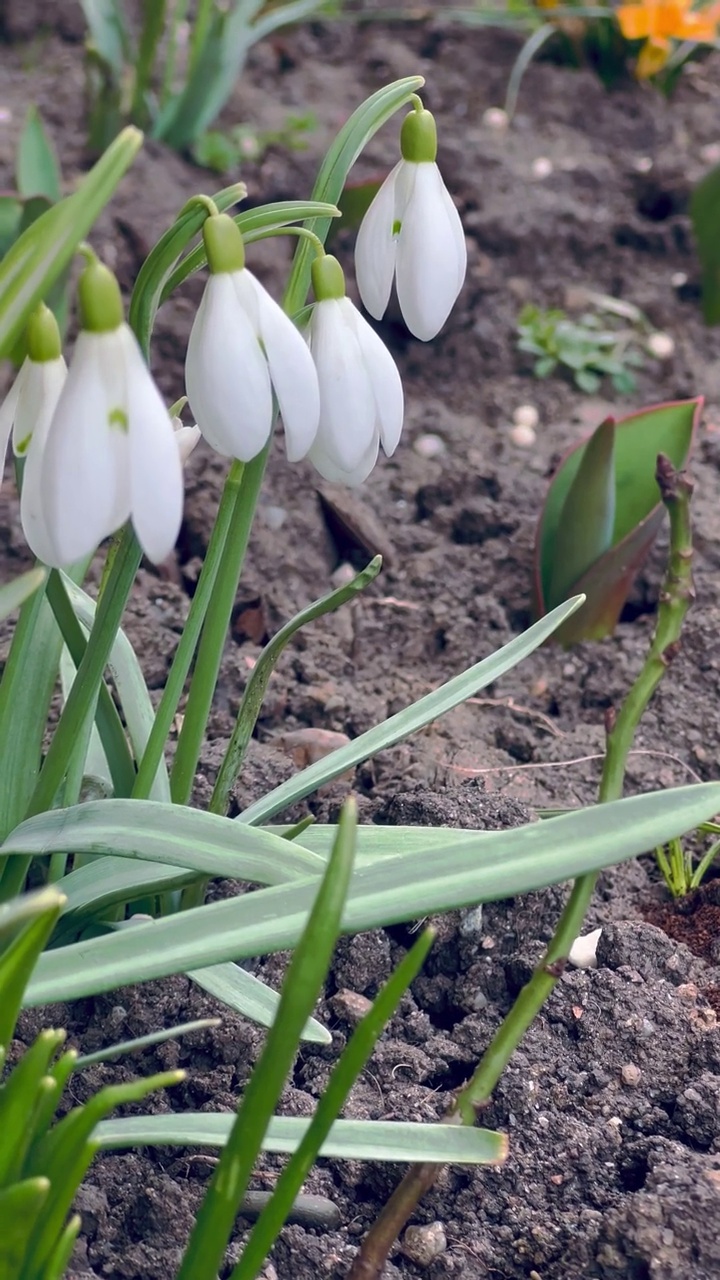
(677, 864)
(608, 341)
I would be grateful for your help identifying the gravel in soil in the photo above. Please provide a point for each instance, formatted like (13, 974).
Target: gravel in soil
(612, 1104)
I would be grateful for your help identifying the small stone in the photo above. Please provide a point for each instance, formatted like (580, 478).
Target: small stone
(429, 446)
(583, 952)
(642, 164)
(496, 118)
(526, 415)
(350, 1005)
(273, 517)
(541, 168)
(630, 1075)
(423, 1245)
(307, 746)
(710, 154)
(471, 921)
(678, 279)
(523, 436)
(661, 345)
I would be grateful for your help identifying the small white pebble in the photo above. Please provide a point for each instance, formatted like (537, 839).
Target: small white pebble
(273, 517)
(642, 164)
(523, 436)
(583, 952)
(542, 168)
(526, 415)
(5, 115)
(710, 154)
(496, 118)
(342, 575)
(429, 446)
(630, 1075)
(423, 1245)
(678, 279)
(661, 345)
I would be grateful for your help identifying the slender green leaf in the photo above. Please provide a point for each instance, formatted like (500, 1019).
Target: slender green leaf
(332, 1100)
(20, 1209)
(585, 525)
(132, 691)
(410, 720)
(246, 994)
(124, 1047)
(257, 684)
(19, 1096)
(348, 1139)
(485, 868)
(173, 835)
(108, 32)
(12, 594)
(37, 171)
(41, 254)
(301, 988)
(19, 957)
(704, 209)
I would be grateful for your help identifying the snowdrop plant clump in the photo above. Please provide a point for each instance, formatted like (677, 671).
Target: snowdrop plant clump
(100, 455)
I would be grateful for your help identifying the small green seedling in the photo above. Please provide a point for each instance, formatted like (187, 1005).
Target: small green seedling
(591, 348)
(602, 514)
(678, 867)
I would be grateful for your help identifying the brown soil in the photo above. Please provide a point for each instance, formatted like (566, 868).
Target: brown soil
(612, 1104)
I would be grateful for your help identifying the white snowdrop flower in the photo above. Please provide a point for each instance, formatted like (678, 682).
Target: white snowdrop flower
(412, 232)
(242, 348)
(110, 452)
(361, 395)
(28, 411)
(30, 403)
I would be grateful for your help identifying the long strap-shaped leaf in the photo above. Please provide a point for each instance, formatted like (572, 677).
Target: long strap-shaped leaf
(411, 719)
(488, 867)
(348, 1139)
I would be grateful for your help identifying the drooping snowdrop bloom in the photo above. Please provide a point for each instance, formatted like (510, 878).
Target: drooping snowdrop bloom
(412, 233)
(361, 395)
(242, 348)
(110, 452)
(28, 410)
(30, 403)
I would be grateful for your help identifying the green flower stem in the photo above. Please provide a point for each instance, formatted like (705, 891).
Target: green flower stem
(676, 596)
(90, 672)
(244, 483)
(112, 734)
(187, 645)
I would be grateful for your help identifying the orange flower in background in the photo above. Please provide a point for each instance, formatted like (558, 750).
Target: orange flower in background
(657, 22)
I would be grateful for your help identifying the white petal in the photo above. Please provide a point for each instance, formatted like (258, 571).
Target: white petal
(376, 247)
(347, 405)
(327, 466)
(385, 382)
(8, 409)
(226, 374)
(186, 439)
(156, 480)
(85, 482)
(431, 255)
(292, 372)
(47, 380)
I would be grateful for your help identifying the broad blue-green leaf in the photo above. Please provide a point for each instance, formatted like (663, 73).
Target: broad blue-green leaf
(486, 867)
(347, 1140)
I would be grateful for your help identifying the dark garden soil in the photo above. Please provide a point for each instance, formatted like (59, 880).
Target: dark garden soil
(612, 1104)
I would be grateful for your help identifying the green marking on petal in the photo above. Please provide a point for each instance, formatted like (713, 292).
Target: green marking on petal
(118, 418)
(396, 227)
(22, 446)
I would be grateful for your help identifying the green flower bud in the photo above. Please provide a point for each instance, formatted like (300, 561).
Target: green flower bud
(328, 280)
(101, 308)
(418, 137)
(223, 244)
(43, 336)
